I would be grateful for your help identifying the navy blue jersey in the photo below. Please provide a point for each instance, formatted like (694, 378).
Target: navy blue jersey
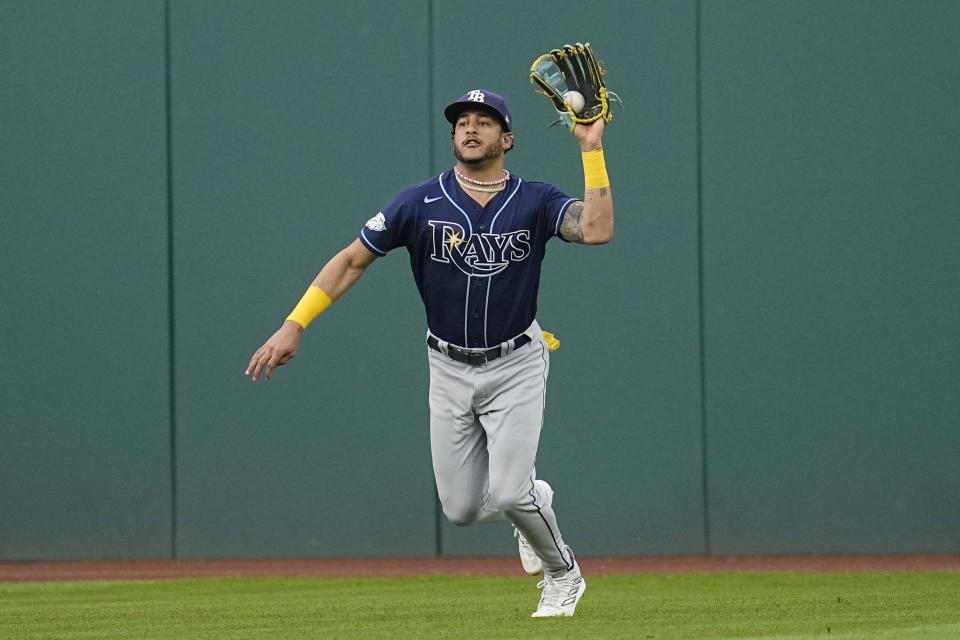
(477, 268)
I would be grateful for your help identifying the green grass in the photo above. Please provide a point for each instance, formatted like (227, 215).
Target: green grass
(714, 606)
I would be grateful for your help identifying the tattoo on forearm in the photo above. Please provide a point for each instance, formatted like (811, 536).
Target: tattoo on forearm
(603, 192)
(571, 228)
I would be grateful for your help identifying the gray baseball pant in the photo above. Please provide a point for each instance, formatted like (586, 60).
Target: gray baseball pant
(485, 423)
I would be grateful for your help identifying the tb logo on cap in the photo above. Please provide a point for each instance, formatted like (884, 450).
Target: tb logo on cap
(475, 96)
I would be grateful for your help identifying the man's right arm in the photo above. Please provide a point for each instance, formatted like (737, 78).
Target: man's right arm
(339, 274)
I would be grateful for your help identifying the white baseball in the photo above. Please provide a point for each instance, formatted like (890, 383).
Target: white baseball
(575, 100)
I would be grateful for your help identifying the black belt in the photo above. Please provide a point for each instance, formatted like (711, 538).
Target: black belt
(475, 356)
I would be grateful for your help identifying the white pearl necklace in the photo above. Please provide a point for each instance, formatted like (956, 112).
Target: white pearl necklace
(482, 183)
(463, 184)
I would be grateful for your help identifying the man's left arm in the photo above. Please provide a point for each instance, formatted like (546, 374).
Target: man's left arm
(590, 221)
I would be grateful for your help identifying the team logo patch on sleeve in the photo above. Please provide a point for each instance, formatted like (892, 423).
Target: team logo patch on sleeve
(377, 222)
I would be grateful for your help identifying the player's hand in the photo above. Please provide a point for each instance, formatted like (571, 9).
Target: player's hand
(589, 135)
(278, 350)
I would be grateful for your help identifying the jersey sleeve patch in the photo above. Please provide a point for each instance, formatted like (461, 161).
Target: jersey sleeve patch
(388, 229)
(377, 222)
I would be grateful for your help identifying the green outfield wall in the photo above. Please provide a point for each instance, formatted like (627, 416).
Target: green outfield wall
(765, 360)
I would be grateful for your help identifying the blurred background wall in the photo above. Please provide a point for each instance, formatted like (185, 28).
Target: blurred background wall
(765, 360)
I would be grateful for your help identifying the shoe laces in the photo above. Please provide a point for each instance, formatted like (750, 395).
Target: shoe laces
(557, 590)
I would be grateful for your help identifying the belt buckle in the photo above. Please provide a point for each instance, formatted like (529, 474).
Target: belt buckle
(475, 358)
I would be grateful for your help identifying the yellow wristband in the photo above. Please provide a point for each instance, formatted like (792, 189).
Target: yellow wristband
(312, 304)
(594, 170)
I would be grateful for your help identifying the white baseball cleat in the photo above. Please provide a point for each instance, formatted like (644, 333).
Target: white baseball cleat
(560, 595)
(528, 557)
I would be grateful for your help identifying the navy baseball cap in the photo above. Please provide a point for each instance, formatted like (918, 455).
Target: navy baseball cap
(472, 99)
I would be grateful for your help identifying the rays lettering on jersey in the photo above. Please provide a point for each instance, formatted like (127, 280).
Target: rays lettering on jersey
(479, 254)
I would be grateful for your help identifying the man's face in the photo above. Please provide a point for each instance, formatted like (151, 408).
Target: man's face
(478, 136)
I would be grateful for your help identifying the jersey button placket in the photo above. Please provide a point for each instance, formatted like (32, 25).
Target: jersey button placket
(476, 328)
(478, 301)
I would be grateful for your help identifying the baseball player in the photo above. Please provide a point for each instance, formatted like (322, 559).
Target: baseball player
(476, 235)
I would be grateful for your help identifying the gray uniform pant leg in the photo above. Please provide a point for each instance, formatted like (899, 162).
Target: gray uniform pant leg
(485, 424)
